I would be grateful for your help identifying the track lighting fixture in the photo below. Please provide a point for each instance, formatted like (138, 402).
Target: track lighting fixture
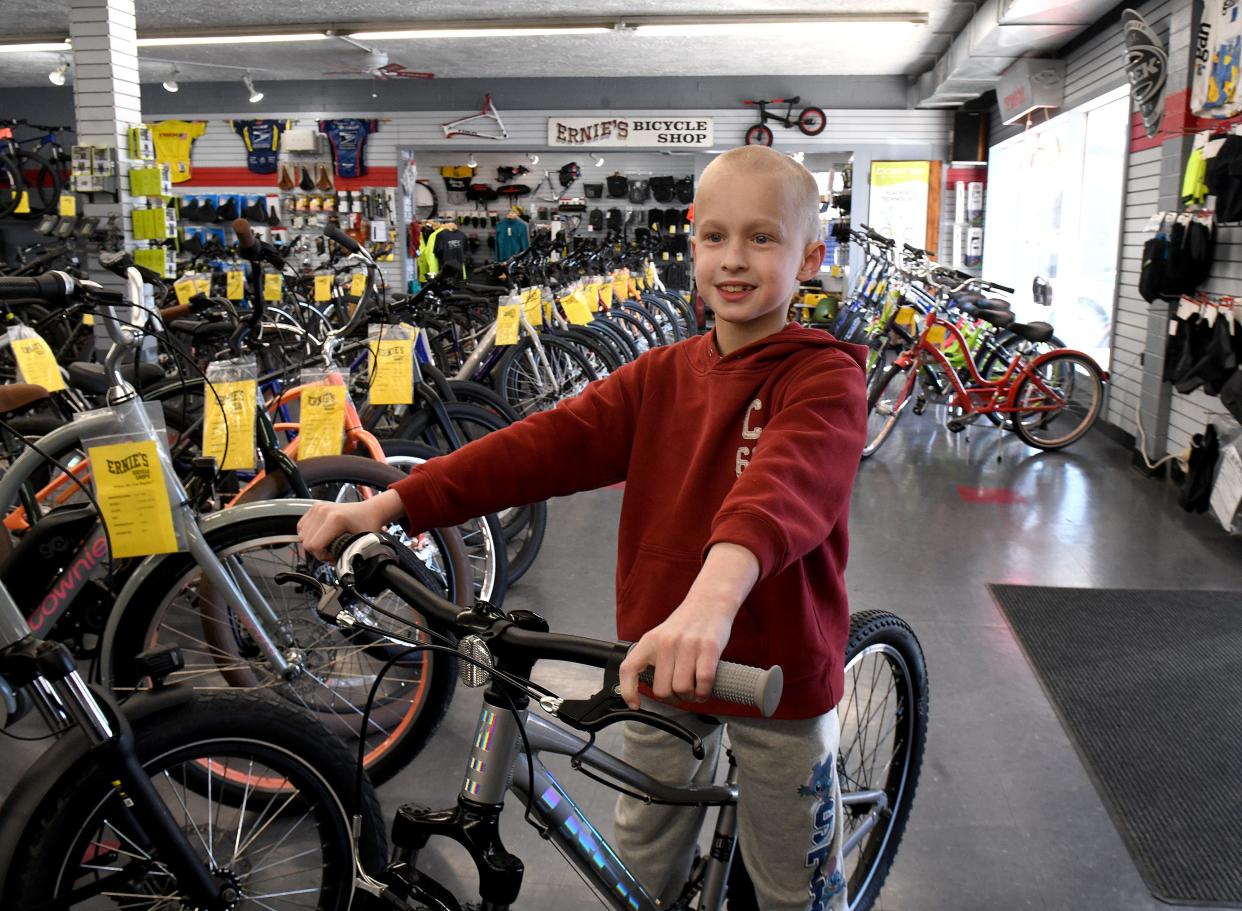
(255, 95)
(534, 159)
(472, 163)
(170, 84)
(598, 159)
(58, 75)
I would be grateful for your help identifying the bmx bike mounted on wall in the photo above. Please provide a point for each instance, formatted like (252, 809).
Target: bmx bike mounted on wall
(811, 121)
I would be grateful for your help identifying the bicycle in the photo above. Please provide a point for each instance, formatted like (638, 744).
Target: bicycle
(40, 178)
(1049, 400)
(811, 120)
(884, 729)
(489, 113)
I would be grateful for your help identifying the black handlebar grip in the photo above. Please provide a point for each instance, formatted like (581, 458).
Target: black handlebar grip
(332, 232)
(1002, 288)
(51, 287)
(337, 547)
(744, 685)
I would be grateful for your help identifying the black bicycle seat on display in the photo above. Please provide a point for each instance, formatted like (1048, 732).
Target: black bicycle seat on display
(92, 378)
(1032, 332)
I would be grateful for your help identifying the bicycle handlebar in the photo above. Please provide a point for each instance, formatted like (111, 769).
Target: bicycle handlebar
(736, 683)
(51, 287)
(332, 232)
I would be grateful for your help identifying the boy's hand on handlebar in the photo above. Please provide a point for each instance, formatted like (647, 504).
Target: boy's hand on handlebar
(685, 649)
(324, 522)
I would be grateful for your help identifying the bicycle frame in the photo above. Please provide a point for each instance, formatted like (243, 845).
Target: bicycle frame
(489, 112)
(986, 396)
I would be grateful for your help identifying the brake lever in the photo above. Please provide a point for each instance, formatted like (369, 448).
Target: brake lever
(607, 707)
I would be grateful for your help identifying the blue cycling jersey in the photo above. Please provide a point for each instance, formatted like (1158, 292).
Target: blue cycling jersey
(262, 139)
(349, 139)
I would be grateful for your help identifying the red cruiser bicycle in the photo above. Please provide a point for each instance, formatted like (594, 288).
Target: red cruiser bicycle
(1048, 399)
(811, 121)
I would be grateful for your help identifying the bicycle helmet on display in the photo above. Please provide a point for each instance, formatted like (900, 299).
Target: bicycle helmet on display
(685, 190)
(504, 173)
(616, 219)
(569, 173)
(596, 219)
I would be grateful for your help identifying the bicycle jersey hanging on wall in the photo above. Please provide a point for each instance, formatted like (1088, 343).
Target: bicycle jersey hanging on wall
(348, 137)
(262, 139)
(173, 139)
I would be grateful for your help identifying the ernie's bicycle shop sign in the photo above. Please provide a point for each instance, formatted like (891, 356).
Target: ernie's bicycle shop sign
(631, 132)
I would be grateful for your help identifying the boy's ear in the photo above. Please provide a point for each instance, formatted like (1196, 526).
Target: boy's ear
(812, 259)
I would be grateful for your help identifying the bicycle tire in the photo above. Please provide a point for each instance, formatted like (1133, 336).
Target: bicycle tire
(640, 336)
(759, 135)
(621, 339)
(878, 432)
(519, 378)
(44, 189)
(12, 184)
(483, 537)
(80, 824)
(1089, 385)
(655, 328)
(405, 715)
(597, 352)
(619, 353)
(812, 120)
(871, 633)
(483, 396)
(672, 321)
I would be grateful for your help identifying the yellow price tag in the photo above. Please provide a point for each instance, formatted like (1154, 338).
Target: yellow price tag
(508, 316)
(234, 285)
(605, 293)
(392, 378)
(633, 287)
(664, 256)
(133, 497)
(358, 284)
(936, 334)
(67, 205)
(323, 287)
(202, 284)
(532, 306)
(37, 363)
(576, 309)
(23, 204)
(322, 420)
(905, 317)
(591, 296)
(619, 287)
(273, 286)
(88, 319)
(228, 424)
(185, 289)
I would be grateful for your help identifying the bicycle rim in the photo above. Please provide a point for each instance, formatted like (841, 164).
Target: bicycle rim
(1058, 401)
(885, 405)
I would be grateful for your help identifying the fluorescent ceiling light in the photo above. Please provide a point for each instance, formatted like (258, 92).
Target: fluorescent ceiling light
(34, 46)
(174, 40)
(705, 29)
(515, 32)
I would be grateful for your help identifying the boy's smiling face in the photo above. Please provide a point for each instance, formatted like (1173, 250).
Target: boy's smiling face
(751, 248)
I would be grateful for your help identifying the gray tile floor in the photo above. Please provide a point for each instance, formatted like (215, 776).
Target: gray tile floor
(1005, 816)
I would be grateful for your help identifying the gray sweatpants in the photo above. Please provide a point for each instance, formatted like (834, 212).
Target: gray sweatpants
(789, 802)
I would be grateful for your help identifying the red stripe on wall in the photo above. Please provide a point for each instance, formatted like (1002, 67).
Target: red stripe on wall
(1176, 122)
(203, 177)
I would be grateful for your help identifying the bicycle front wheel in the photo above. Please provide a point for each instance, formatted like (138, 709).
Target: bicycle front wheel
(263, 799)
(1058, 400)
(531, 383)
(883, 715)
(886, 401)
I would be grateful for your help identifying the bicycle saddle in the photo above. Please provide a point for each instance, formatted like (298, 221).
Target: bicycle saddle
(1032, 332)
(1001, 319)
(91, 377)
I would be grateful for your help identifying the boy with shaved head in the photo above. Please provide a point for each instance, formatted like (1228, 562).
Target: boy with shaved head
(738, 449)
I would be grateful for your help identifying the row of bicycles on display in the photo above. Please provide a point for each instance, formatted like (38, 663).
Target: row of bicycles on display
(223, 709)
(939, 336)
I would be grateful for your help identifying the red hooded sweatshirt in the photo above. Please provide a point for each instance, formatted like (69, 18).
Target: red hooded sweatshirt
(758, 448)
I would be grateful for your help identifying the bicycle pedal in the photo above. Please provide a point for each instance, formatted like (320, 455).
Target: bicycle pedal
(956, 426)
(920, 404)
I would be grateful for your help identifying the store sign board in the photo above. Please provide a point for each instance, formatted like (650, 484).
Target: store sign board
(899, 191)
(686, 132)
(1147, 66)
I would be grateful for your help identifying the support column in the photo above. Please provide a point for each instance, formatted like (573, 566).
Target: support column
(106, 95)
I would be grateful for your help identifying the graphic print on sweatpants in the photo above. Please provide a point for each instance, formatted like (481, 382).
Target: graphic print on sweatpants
(827, 880)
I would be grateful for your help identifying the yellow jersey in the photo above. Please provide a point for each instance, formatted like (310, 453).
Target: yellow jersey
(173, 139)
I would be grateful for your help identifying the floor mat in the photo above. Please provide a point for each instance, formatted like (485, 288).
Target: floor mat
(1149, 686)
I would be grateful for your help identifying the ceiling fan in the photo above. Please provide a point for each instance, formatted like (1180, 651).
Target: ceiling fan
(376, 65)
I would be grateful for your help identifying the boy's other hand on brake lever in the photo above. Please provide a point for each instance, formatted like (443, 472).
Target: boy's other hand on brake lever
(324, 522)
